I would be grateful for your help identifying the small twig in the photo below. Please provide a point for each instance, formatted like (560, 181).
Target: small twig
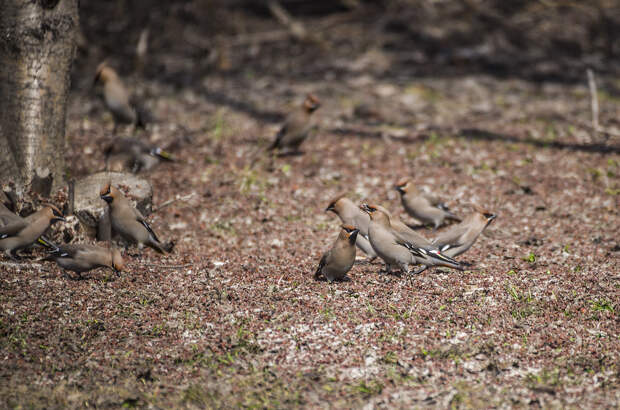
(295, 27)
(156, 265)
(173, 200)
(593, 99)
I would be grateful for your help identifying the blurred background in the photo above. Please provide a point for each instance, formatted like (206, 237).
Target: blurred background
(534, 40)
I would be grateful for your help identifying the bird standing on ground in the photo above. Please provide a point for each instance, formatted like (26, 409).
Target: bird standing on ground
(350, 214)
(296, 127)
(134, 155)
(337, 261)
(22, 232)
(83, 257)
(117, 98)
(397, 251)
(128, 222)
(426, 208)
(461, 237)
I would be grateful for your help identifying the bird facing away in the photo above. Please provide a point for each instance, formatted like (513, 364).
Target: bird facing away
(397, 251)
(22, 232)
(117, 98)
(296, 127)
(426, 208)
(84, 257)
(337, 261)
(133, 155)
(128, 222)
(461, 237)
(350, 214)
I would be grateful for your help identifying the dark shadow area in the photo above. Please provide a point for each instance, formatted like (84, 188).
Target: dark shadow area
(479, 134)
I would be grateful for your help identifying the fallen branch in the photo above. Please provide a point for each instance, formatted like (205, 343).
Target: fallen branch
(173, 200)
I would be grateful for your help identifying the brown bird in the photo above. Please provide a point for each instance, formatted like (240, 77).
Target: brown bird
(460, 238)
(397, 251)
(117, 98)
(404, 231)
(426, 208)
(22, 232)
(134, 155)
(83, 257)
(350, 214)
(296, 127)
(128, 222)
(337, 261)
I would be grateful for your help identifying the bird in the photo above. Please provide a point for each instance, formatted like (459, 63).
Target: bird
(134, 155)
(117, 98)
(19, 232)
(337, 261)
(403, 230)
(426, 208)
(128, 222)
(350, 214)
(296, 127)
(461, 237)
(397, 251)
(84, 257)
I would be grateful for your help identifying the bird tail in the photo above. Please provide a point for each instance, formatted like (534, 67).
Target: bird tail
(434, 256)
(162, 247)
(443, 260)
(160, 153)
(46, 243)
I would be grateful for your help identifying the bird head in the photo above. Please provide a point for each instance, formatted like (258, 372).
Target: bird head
(54, 214)
(334, 204)
(350, 233)
(376, 214)
(104, 73)
(369, 209)
(117, 261)
(108, 193)
(311, 103)
(402, 186)
(484, 213)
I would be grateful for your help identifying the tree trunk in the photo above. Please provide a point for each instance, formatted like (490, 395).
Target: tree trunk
(37, 46)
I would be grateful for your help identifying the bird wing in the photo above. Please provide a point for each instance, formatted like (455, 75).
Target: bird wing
(322, 262)
(450, 239)
(11, 224)
(281, 133)
(426, 252)
(411, 237)
(148, 228)
(64, 251)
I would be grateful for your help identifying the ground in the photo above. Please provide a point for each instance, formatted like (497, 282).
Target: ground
(233, 316)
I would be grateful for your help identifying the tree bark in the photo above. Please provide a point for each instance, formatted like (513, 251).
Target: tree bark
(37, 46)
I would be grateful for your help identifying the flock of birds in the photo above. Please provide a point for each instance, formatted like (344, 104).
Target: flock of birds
(378, 233)
(370, 227)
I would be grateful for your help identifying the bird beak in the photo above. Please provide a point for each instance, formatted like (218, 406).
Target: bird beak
(399, 189)
(107, 198)
(330, 208)
(364, 207)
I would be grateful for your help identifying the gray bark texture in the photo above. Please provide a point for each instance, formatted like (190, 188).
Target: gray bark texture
(37, 46)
